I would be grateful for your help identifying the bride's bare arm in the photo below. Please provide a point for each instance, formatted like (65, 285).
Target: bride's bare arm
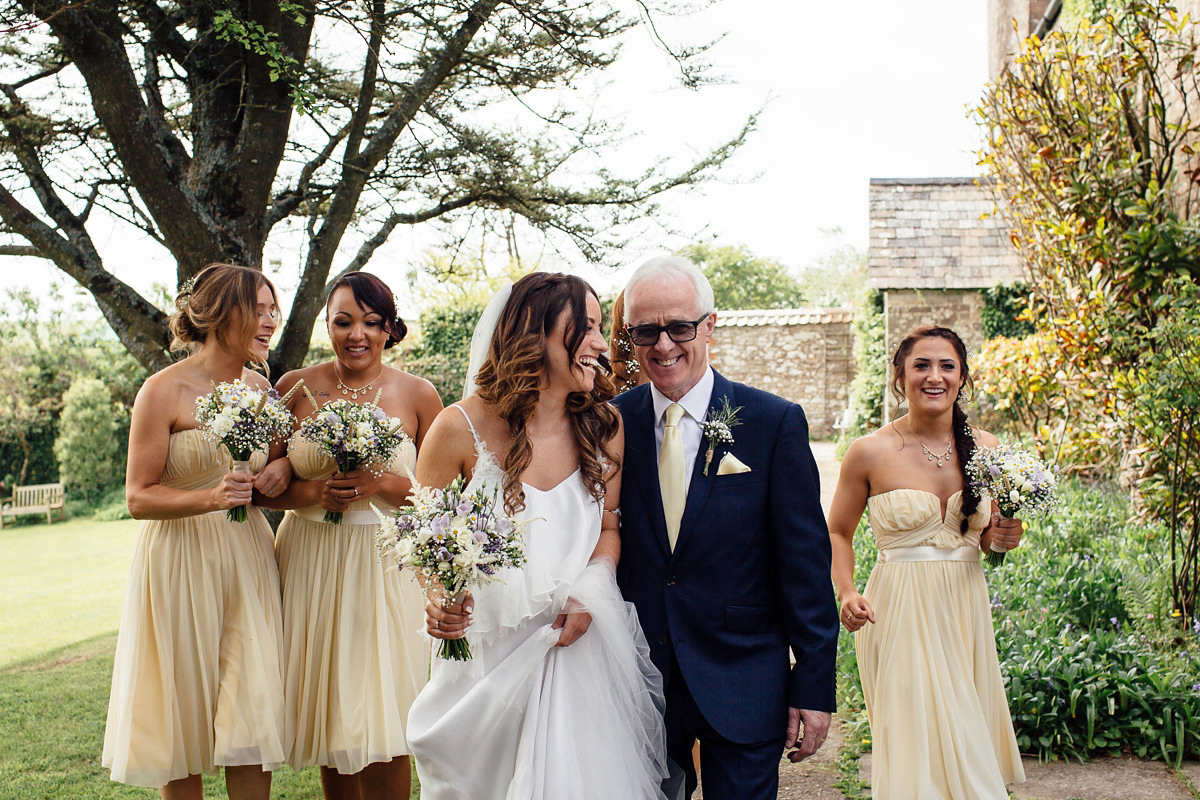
(442, 457)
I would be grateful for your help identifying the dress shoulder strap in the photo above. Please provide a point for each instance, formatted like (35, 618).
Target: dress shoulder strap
(470, 424)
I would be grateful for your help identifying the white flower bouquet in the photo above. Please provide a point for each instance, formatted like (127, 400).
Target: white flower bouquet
(244, 420)
(454, 541)
(1019, 483)
(355, 436)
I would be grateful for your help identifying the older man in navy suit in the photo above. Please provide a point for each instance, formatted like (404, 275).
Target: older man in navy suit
(724, 549)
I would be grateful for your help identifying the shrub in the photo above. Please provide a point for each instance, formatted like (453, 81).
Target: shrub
(86, 447)
(1093, 666)
(865, 412)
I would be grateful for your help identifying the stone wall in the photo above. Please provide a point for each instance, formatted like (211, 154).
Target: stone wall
(803, 355)
(933, 247)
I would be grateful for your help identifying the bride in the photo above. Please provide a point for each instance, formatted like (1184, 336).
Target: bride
(560, 698)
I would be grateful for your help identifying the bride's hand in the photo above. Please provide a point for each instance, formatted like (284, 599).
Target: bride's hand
(856, 612)
(573, 624)
(448, 621)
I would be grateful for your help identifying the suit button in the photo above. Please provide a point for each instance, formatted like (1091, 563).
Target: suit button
(662, 640)
(671, 581)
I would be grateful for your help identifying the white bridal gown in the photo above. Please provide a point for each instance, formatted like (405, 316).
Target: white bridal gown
(525, 720)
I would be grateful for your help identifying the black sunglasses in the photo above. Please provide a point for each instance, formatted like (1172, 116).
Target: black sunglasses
(679, 331)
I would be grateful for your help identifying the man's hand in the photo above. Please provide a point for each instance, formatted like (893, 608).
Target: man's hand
(816, 728)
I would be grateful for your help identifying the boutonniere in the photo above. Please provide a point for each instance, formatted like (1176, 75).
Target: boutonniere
(717, 429)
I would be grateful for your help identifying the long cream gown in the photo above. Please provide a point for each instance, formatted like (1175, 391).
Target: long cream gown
(354, 651)
(940, 725)
(197, 682)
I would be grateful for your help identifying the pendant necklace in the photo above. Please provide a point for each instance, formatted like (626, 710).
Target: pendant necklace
(931, 455)
(354, 393)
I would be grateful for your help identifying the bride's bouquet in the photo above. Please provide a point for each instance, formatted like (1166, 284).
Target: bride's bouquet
(355, 436)
(454, 541)
(1019, 483)
(243, 419)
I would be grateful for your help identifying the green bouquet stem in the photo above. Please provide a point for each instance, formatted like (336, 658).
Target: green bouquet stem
(238, 513)
(995, 558)
(335, 517)
(455, 650)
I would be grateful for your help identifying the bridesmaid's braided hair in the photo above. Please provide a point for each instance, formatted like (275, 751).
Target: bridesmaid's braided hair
(964, 437)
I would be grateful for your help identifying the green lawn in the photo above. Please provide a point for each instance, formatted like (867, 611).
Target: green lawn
(61, 590)
(61, 583)
(52, 711)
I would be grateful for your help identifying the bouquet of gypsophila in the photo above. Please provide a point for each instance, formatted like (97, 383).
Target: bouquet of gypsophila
(1019, 483)
(244, 420)
(455, 541)
(355, 436)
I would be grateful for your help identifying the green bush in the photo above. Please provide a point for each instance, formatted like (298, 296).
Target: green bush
(1002, 307)
(865, 412)
(1092, 663)
(86, 447)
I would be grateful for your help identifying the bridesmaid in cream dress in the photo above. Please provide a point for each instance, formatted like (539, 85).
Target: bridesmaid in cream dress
(940, 725)
(353, 651)
(197, 682)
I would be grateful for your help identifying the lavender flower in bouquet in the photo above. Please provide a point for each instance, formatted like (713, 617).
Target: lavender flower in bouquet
(1019, 483)
(244, 420)
(354, 435)
(455, 541)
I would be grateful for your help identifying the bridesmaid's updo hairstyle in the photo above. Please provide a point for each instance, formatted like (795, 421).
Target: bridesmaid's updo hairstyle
(372, 294)
(964, 438)
(210, 302)
(510, 378)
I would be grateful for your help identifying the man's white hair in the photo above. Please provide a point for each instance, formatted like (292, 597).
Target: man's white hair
(670, 267)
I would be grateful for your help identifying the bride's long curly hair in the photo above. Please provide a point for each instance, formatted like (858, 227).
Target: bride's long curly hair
(964, 437)
(515, 367)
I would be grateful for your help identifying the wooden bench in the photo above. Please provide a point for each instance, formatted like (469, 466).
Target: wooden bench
(35, 499)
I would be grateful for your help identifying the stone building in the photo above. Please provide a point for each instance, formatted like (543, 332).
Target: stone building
(804, 355)
(933, 246)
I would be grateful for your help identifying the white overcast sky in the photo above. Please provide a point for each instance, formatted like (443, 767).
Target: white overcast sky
(850, 92)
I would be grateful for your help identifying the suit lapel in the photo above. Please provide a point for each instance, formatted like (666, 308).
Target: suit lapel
(701, 485)
(643, 469)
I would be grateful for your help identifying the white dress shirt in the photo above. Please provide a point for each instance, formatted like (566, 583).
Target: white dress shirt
(695, 406)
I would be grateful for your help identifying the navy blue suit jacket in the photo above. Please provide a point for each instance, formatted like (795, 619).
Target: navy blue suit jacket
(749, 576)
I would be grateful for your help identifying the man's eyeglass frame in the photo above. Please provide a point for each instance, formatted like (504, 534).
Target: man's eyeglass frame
(640, 334)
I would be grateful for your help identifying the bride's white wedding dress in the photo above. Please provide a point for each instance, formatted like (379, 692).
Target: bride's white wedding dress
(523, 719)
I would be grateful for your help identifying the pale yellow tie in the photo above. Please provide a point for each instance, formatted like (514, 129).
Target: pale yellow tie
(671, 472)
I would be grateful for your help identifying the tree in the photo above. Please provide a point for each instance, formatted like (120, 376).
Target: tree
(86, 447)
(838, 277)
(741, 279)
(180, 121)
(1091, 152)
(40, 357)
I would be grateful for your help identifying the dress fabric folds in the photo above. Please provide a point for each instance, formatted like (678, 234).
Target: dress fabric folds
(355, 655)
(197, 679)
(524, 719)
(940, 724)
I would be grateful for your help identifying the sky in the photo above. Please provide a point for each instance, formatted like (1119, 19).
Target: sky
(848, 92)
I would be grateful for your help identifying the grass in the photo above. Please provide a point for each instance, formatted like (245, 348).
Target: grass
(52, 711)
(61, 583)
(61, 592)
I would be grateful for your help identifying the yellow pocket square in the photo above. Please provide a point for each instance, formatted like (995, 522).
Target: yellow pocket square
(730, 465)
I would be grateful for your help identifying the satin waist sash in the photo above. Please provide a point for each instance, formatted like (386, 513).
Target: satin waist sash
(926, 553)
(357, 516)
